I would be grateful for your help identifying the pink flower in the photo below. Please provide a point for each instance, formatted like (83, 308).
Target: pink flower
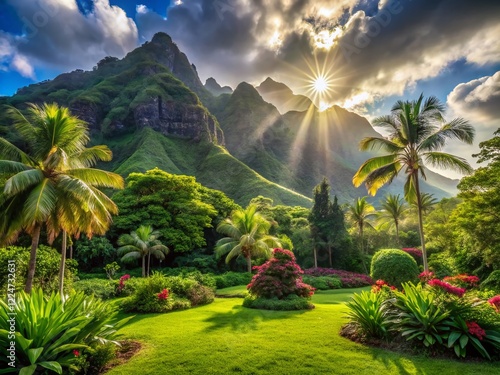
(163, 295)
(426, 276)
(413, 251)
(447, 287)
(463, 279)
(495, 302)
(76, 353)
(476, 330)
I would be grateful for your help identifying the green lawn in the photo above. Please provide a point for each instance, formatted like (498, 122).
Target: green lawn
(225, 338)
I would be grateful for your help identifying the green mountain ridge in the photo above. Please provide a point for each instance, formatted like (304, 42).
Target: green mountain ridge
(153, 111)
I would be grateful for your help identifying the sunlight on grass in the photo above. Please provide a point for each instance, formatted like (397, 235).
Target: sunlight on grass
(226, 338)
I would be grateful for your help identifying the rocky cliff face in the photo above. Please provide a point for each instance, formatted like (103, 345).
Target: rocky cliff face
(215, 89)
(177, 120)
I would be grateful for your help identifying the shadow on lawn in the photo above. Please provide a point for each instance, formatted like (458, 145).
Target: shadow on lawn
(403, 368)
(243, 319)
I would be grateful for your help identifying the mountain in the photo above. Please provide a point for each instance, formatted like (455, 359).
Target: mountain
(299, 148)
(147, 107)
(215, 89)
(282, 96)
(153, 111)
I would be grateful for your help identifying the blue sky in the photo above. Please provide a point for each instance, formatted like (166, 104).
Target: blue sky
(371, 52)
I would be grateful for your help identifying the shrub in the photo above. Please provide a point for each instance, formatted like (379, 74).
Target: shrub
(415, 253)
(94, 252)
(200, 295)
(103, 289)
(394, 266)
(419, 317)
(229, 279)
(145, 298)
(279, 277)
(48, 261)
(289, 303)
(492, 281)
(111, 269)
(442, 264)
(48, 330)
(348, 279)
(323, 282)
(368, 312)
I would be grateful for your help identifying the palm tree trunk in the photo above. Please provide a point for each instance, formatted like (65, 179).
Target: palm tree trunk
(315, 252)
(397, 234)
(249, 264)
(149, 262)
(361, 246)
(63, 263)
(144, 266)
(35, 238)
(420, 222)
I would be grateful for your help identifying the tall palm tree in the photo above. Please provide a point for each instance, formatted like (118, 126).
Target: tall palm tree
(358, 213)
(142, 243)
(418, 132)
(51, 182)
(247, 235)
(427, 201)
(393, 209)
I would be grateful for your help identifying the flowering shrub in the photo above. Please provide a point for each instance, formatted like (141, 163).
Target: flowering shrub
(426, 276)
(447, 287)
(463, 280)
(279, 277)
(348, 279)
(476, 330)
(495, 302)
(414, 252)
(163, 295)
(121, 284)
(379, 284)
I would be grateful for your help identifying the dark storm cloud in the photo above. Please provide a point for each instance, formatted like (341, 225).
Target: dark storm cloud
(56, 34)
(479, 98)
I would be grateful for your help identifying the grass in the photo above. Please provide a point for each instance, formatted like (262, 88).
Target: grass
(225, 338)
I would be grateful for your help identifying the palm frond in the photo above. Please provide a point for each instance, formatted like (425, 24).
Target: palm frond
(90, 156)
(381, 176)
(41, 203)
(369, 166)
(97, 177)
(447, 161)
(235, 251)
(22, 181)
(10, 152)
(378, 143)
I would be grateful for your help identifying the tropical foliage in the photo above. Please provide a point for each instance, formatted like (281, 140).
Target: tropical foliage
(247, 235)
(140, 244)
(51, 184)
(49, 331)
(418, 132)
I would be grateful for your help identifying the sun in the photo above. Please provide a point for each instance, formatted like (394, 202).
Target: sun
(320, 84)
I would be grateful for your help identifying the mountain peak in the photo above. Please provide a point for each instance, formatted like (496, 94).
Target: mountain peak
(162, 38)
(213, 86)
(282, 96)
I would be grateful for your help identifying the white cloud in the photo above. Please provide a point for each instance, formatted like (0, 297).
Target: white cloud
(21, 64)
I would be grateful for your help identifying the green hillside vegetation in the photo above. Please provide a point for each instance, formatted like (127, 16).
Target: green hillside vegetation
(212, 166)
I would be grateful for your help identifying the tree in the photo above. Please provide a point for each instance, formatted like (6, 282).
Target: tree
(247, 235)
(393, 209)
(52, 183)
(142, 243)
(359, 213)
(319, 218)
(476, 219)
(171, 203)
(418, 132)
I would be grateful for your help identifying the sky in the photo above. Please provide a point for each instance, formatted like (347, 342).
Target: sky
(368, 53)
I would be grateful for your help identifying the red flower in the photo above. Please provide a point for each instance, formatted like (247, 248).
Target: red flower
(121, 285)
(76, 353)
(495, 302)
(426, 276)
(163, 295)
(447, 287)
(463, 279)
(476, 330)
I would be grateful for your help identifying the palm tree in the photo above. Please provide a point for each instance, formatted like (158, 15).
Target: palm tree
(141, 243)
(393, 209)
(418, 132)
(427, 201)
(247, 235)
(358, 214)
(52, 182)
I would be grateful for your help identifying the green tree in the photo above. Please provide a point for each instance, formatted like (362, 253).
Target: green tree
(52, 182)
(418, 132)
(393, 207)
(476, 219)
(319, 218)
(246, 235)
(358, 213)
(142, 243)
(173, 204)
